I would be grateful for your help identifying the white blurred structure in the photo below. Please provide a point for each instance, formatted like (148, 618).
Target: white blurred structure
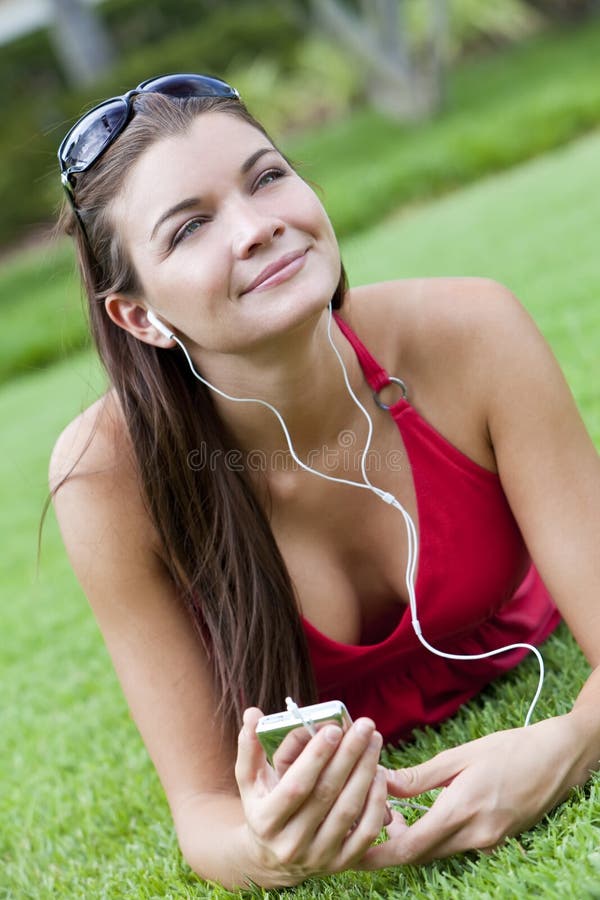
(402, 80)
(20, 16)
(82, 45)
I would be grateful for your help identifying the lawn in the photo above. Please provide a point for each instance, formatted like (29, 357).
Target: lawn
(82, 813)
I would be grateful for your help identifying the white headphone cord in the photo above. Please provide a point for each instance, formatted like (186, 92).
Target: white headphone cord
(388, 498)
(412, 562)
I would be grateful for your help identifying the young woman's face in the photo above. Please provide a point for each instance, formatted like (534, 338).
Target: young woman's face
(230, 245)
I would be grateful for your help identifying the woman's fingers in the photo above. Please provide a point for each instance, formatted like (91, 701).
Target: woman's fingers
(290, 749)
(348, 776)
(404, 847)
(336, 806)
(471, 813)
(297, 784)
(328, 794)
(350, 799)
(368, 827)
(250, 760)
(496, 786)
(348, 809)
(439, 833)
(436, 772)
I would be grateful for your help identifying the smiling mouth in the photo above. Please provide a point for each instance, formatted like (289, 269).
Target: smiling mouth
(279, 271)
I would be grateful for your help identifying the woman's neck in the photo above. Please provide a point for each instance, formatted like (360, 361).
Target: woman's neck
(300, 375)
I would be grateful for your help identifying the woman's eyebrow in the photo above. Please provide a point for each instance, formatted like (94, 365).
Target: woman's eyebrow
(255, 157)
(173, 210)
(197, 201)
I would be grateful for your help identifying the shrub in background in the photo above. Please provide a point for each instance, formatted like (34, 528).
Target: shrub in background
(318, 84)
(37, 117)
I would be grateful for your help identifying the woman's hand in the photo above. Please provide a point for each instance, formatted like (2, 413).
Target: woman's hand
(494, 787)
(321, 809)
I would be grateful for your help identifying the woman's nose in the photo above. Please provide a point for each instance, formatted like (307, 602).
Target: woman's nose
(253, 228)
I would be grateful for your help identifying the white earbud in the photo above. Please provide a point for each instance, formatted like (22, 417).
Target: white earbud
(160, 326)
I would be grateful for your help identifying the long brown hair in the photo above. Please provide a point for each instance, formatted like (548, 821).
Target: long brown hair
(218, 545)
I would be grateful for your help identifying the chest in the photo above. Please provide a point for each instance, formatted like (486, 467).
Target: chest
(346, 550)
(348, 569)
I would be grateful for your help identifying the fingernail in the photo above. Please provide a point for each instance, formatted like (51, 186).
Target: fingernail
(364, 727)
(333, 734)
(388, 817)
(375, 741)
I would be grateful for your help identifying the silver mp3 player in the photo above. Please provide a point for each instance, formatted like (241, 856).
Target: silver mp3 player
(271, 730)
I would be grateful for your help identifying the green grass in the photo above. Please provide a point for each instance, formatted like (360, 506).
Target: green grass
(533, 228)
(501, 110)
(82, 814)
(41, 308)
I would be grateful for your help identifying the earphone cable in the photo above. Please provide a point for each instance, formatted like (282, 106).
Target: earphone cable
(411, 532)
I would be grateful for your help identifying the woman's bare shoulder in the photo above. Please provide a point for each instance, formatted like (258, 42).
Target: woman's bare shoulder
(92, 467)
(414, 320)
(95, 442)
(446, 338)
(427, 305)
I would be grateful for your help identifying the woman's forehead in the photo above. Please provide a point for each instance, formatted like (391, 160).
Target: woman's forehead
(214, 137)
(213, 143)
(213, 151)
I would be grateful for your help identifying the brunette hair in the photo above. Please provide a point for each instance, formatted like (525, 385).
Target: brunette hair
(218, 545)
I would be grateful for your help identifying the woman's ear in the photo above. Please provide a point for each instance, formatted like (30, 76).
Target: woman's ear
(131, 316)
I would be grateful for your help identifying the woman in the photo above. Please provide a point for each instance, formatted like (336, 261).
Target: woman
(224, 575)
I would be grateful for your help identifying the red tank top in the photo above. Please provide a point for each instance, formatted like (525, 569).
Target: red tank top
(475, 585)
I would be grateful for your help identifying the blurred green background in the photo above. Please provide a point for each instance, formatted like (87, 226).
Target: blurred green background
(296, 65)
(446, 138)
(461, 90)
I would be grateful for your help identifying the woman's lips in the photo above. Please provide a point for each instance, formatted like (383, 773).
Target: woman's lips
(279, 271)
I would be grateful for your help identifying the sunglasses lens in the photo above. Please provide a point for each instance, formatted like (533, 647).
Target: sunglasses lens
(188, 86)
(88, 139)
(92, 134)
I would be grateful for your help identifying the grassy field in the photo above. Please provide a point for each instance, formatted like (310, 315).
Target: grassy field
(81, 812)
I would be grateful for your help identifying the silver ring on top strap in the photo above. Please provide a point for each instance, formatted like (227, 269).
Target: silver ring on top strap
(393, 380)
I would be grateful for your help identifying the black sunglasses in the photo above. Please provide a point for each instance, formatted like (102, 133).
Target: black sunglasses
(88, 139)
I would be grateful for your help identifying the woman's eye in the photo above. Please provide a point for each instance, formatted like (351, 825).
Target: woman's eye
(269, 177)
(188, 229)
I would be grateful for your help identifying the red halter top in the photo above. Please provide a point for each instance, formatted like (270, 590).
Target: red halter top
(476, 590)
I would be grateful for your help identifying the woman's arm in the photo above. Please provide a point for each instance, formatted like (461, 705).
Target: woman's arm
(550, 471)
(260, 829)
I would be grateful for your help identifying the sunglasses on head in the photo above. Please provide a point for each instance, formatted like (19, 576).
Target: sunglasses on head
(88, 139)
